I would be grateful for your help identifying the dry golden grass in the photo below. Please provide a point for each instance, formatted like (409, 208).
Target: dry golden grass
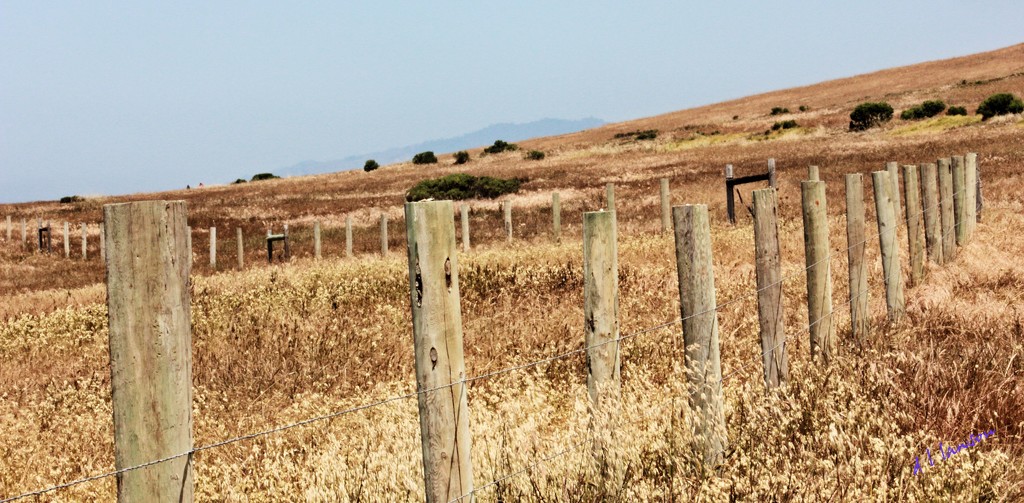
(277, 344)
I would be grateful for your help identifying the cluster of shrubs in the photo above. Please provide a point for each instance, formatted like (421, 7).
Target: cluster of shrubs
(1000, 104)
(930, 108)
(264, 176)
(501, 146)
(71, 199)
(956, 111)
(461, 157)
(427, 157)
(535, 155)
(870, 114)
(788, 124)
(370, 165)
(646, 134)
(462, 186)
(779, 110)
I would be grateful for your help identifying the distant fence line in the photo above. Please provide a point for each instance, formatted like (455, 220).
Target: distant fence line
(158, 467)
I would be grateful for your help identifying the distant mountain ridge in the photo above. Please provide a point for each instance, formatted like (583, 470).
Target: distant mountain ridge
(483, 137)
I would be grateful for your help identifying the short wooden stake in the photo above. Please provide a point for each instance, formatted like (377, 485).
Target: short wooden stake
(67, 240)
(971, 192)
(464, 211)
(241, 248)
(150, 348)
(287, 245)
(601, 307)
(891, 268)
(700, 329)
(946, 209)
(213, 247)
(609, 192)
(813, 173)
(915, 224)
(730, 195)
(666, 207)
(959, 199)
(508, 220)
(817, 255)
(316, 240)
(860, 317)
(769, 288)
(384, 234)
(932, 218)
(894, 178)
(556, 217)
(85, 241)
(348, 236)
(437, 339)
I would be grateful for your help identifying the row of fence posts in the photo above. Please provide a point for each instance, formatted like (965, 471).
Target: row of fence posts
(44, 233)
(150, 251)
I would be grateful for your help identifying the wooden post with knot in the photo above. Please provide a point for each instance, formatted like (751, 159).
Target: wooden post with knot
(769, 288)
(894, 301)
(817, 256)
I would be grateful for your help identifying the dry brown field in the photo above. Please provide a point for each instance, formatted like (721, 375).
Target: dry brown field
(280, 343)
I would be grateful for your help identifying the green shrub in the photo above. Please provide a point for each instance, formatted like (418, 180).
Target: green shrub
(370, 165)
(462, 186)
(535, 155)
(870, 114)
(264, 176)
(789, 124)
(427, 157)
(925, 110)
(1000, 104)
(957, 111)
(71, 199)
(779, 110)
(735, 117)
(238, 181)
(647, 134)
(501, 146)
(461, 157)
(804, 108)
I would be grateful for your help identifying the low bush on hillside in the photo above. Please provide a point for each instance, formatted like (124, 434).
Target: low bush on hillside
(779, 110)
(238, 181)
(461, 157)
(1000, 104)
(646, 134)
(930, 108)
(956, 111)
(264, 176)
(71, 199)
(535, 155)
(501, 146)
(427, 157)
(870, 114)
(790, 124)
(462, 186)
(370, 165)
(804, 108)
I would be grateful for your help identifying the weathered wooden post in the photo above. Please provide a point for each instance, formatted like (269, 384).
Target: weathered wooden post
(556, 216)
(85, 241)
(348, 236)
(666, 207)
(287, 245)
(67, 240)
(384, 234)
(771, 173)
(316, 240)
(891, 268)
(188, 240)
(700, 329)
(813, 174)
(464, 210)
(437, 339)
(817, 255)
(892, 168)
(860, 317)
(213, 247)
(730, 198)
(150, 348)
(769, 288)
(971, 192)
(979, 203)
(508, 220)
(103, 243)
(959, 198)
(601, 307)
(241, 248)
(609, 192)
(932, 220)
(915, 225)
(8, 227)
(24, 232)
(946, 209)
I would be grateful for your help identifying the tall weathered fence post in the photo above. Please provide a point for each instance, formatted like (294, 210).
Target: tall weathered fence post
(85, 242)
(769, 288)
(464, 210)
(556, 216)
(700, 329)
(348, 236)
(915, 226)
(860, 317)
(241, 248)
(609, 192)
(819, 271)
(150, 348)
(894, 301)
(213, 247)
(666, 207)
(507, 205)
(316, 240)
(892, 168)
(601, 333)
(932, 218)
(978, 202)
(384, 234)
(946, 209)
(959, 198)
(971, 194)
(437, 339)
(67, 240)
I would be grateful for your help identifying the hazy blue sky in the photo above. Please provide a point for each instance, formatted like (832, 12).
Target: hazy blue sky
(113, 97)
